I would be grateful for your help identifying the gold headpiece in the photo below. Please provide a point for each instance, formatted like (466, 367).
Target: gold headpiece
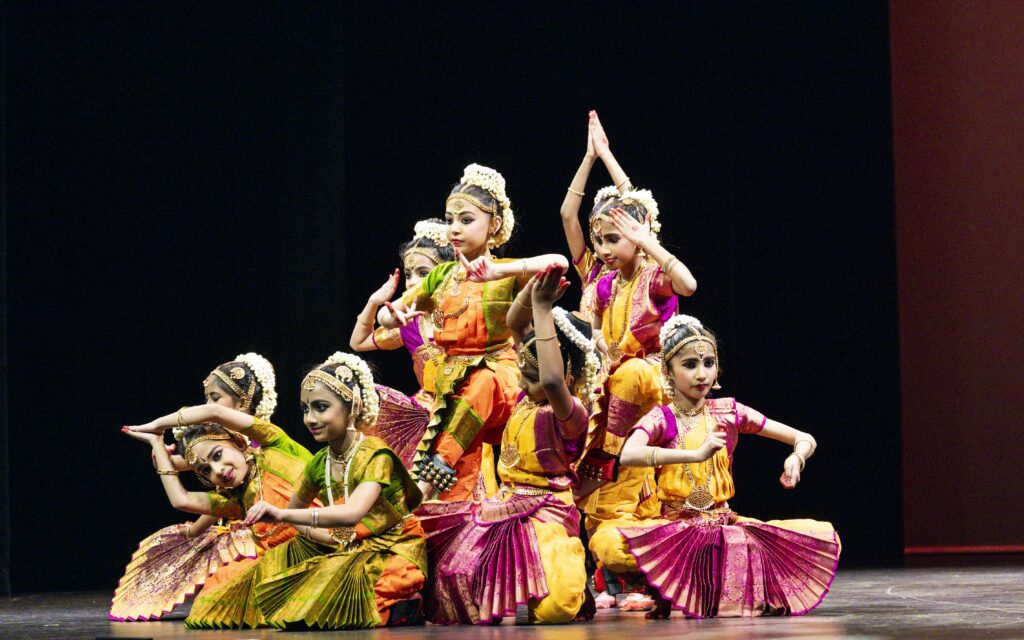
(699, 349)
(426, 253)
(524, 357)
(340, 383)
(229, 379)
(493, 183)
(458, 201)
(190, 455)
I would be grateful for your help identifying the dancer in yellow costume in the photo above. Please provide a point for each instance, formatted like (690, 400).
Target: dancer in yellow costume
(519, 552)
(173, 563)
(697, 554)
(475, 379)
(215, 441)
(631, 305)
(372, 573)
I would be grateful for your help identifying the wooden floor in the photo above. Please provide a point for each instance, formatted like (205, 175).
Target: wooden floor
(924, 602)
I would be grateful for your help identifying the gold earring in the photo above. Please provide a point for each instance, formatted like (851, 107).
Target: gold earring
(716, 386)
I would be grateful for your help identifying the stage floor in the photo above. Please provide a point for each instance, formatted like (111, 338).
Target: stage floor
(936, 602)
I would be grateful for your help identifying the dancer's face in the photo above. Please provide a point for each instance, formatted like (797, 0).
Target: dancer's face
(215, 394)
(469, 228)
(324, 413)
(694, 369)
(529, 381)
(417, 266)
(220, 462)
(611, 247)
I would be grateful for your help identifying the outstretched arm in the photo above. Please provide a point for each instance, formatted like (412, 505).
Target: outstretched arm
(484, 270)
(548, 287)
(224, 416)
(339, 515)
(637, 453)
(180, 498)
(803, 448)
(362, 333)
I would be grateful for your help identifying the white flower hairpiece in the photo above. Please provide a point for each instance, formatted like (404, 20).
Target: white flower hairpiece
(367, 391)
(604, 193)
(586, 386)
(669, 328)
(646, 199)
(494, 183)
(264, 372)
(432, 230)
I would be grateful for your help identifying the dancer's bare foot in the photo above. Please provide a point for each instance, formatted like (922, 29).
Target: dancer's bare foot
(662, 608)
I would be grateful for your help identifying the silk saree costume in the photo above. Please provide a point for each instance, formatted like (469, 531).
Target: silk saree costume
(475, 379)
(633, 314)
(356, 584)
(225, 601)
(713, 562)
(521, 546)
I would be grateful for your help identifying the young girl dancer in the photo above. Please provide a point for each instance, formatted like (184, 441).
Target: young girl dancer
(588, 265)
(214, 440)
(631, 305)
(373, 574)
(173, 563)
(699, 556)
(426, 250)
(520, 549)
(475, 381)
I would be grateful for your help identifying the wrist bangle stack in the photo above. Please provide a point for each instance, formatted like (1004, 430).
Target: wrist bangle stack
(165, 472)
(181, 421)
(314, 519)
(575, 192)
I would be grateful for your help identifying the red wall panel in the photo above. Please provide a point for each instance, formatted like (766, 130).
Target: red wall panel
(958, 144)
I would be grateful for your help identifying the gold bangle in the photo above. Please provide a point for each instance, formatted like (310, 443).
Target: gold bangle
(181, 421)
(165, 472)
(523, 304)
(619, 186)
(809, 442)
(669, 265)
(542, 339)
(575, 192)
(314, 519)
(803, 460)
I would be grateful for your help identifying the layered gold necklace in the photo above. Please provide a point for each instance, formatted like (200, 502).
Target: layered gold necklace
(509, 452)
(614, 348)
(452, 286)
(700, 498)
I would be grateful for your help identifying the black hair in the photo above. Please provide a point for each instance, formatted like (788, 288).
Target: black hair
(632, 207)
(445, 253)
(248, 379)
(570, 352)
(685, 331)
(486, 197)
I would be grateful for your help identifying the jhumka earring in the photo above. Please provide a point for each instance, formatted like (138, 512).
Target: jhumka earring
(666, 385)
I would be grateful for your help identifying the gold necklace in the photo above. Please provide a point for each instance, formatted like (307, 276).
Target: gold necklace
(509, 451)
(614, 350)
(258, 479)
(439, 316)
(700, 498)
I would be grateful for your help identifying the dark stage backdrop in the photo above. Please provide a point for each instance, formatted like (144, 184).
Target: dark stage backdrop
(190, 182)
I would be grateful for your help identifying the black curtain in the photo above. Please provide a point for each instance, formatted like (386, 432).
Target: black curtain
(188, 182)
(5, 465)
